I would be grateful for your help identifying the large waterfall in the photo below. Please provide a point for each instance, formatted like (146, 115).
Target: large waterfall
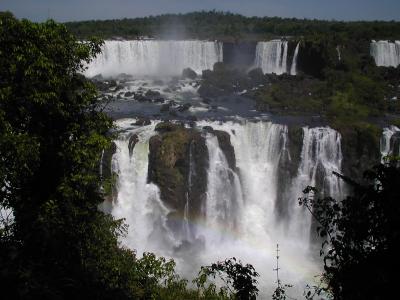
(271, 56)
(154, 57)
(385, 53)
(240, 214)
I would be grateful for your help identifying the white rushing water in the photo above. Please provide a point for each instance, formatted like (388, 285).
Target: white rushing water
(138, 201)
(321, 155)
(239, 212)
(271, 56)
(386, 148)
(293, 68)
(154, 57)
(385, 53)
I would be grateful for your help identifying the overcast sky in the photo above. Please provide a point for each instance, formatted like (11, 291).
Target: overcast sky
(72, 10)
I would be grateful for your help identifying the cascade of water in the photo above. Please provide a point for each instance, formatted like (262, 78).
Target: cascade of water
(151, 57)
(339, 54)
(385, 53)
(240, 206)
(138, 201)
(224, 195)
(187, 232)
(293, 69)
(101, 164)
(385, 140)
(321, 155)
(271, 56)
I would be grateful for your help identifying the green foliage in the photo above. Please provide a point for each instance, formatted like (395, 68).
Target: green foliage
(231, 27)
(242, 278)
(280, 291)
(361, 234)
(54, 242)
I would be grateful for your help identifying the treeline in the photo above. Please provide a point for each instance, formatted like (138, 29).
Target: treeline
(227, 26)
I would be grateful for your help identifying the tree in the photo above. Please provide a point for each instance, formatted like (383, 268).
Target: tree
(240, 280)
(361, 235)
(57, 244)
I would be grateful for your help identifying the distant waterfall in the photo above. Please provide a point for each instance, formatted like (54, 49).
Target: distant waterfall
(152, 57)
(271, 56)
(385, 53)
(386, 141)
(293, 69)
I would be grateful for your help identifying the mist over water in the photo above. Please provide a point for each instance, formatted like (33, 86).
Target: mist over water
(240, 216)
(248, 209)
(154, 57)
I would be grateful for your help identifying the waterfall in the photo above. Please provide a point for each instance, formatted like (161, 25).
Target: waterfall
(224, 195)
(339, 54)
(239, 214)
(293, 69)
(385, 53)
(321, 154)
(187, 231)
(152, 57)
(386, 145)
(271, 56)
(138, 201)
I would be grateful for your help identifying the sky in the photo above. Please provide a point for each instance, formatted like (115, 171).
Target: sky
(75, 10)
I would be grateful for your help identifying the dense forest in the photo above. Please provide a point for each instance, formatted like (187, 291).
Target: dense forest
(230, 27)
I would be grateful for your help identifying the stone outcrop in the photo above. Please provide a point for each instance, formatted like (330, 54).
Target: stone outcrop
(178, 163)
(361, 151)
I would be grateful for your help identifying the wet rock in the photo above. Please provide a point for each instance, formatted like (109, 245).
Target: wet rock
(184, 107)
(165, 107)
(152, 94)
(173, 113)
(142, 122)
(108, 177)
(159, 100)
(175, 154)
(206, 101)
(141, 98)
(129, 94)
(361, 150)
(192, 119)
(189, 73)
(132, 142)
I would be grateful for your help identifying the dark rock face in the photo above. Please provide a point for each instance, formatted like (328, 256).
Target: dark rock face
(184, 107)
(288, 166)
(178, 164)
(132, 143)
(240, 54)
(361, 151)
(224, 141)
(395, 144)
(108, 177)
(189, 73)
(142, 122)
